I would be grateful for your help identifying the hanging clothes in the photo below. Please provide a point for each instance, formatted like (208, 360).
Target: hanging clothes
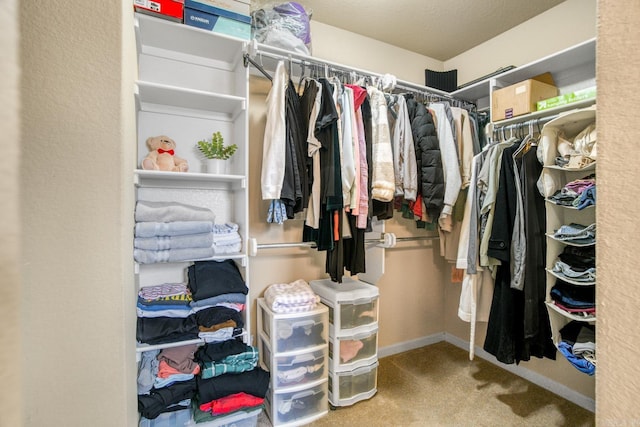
(275, 135)
(295, 182)
(428, 158)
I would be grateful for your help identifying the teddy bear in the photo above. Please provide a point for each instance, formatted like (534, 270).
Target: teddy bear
(162, 155)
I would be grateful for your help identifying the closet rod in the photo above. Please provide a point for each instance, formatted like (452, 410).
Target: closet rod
(257, 50)
(387, 239)
(514, 125)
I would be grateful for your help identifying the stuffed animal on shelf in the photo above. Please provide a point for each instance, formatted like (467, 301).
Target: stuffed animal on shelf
(162, 156)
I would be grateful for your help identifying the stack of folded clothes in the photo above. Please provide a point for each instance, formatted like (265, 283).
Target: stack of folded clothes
(576, 299)
(578, 345)
(579, 193)
(165, 314)
(577, 264)
(172, 232)
(219, 296)
(226, 239)
(166, 382)
(230, 380)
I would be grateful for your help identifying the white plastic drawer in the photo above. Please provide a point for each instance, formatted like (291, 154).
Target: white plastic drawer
(349, 387)
(237, 419)
(353, 351)
(294, 370)
(298, 407)
(353, 305)
(295, 331)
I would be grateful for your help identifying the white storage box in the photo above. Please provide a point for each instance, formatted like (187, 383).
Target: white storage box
(349, 387)
(299, 407)
(349, 352)
(294, 370)
(288, 332)
(353, 305)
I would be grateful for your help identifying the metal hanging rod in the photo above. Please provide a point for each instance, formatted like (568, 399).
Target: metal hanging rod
(387, 240)
(256, 50)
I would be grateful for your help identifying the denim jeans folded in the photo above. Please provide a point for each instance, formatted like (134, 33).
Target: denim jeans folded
(565, 270)
(575, 231)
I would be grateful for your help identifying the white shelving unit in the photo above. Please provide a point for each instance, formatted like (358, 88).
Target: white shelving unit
(192, 83)
(572, 69)
(558, 215)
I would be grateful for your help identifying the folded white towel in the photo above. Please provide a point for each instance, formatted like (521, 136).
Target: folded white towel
(175, 228)
(291, 297)
(171, 211)
(159, 243)
(172, 255)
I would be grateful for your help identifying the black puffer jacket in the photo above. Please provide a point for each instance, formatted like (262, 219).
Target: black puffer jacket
(429, 162)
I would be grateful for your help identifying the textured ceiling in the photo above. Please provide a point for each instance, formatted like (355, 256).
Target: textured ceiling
(440, 29)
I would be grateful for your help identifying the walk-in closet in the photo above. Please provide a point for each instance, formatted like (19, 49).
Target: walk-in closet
(217, 218)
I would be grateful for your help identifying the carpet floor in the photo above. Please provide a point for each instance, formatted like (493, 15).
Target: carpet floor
(438, 385)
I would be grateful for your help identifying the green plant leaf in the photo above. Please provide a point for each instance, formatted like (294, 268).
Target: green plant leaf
(215, 148)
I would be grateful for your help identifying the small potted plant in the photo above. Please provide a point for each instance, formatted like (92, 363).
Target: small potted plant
(216, 154)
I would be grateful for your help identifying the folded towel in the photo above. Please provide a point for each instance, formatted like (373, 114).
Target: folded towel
(172, 255)
(292, 297)
(160, 243)
(228, 227)
(227, 249)
(171, 211)
(226, 239)
(174, 228)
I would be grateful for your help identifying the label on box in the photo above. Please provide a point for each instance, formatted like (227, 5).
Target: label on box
(521, 89)
(508, 113)
(151, 5)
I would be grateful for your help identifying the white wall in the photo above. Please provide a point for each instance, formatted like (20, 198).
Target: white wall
(10, 354)
(78, 141)
(618, 331)
(565, 25)
(347, 48)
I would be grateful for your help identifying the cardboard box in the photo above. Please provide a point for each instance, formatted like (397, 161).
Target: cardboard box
(242, 7)
(167, 9)
(521, 98)
(201, 15)
(569, 98)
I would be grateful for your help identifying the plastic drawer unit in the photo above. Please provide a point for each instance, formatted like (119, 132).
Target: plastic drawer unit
(287, 332)
(353, 305)
(349, 387)
(353, 351)
(291, 370)
(237, 419)
(299, 406)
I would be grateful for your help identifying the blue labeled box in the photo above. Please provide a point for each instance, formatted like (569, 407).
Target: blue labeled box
(216, 19)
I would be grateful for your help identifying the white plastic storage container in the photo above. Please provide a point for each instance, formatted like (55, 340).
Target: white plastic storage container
(292, 370)
(179, 418)
(287, 332)
(349, 387)
(353, 305)
(353, 351)
(238, 419)
(298, 407)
